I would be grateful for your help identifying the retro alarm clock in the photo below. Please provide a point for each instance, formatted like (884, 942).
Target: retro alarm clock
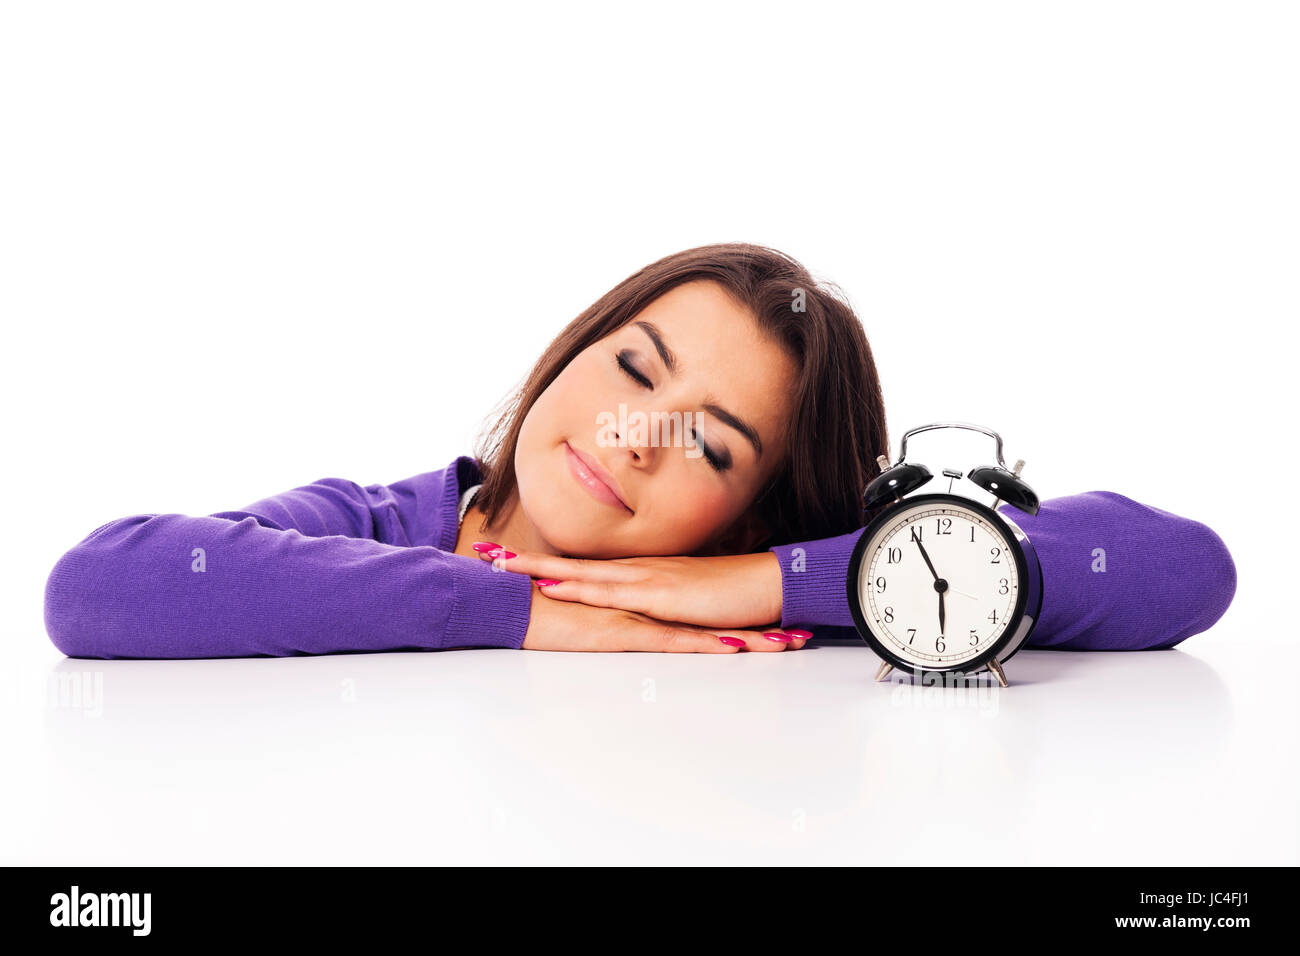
(942, 582)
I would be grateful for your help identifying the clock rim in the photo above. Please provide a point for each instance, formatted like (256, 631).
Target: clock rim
(981, 661)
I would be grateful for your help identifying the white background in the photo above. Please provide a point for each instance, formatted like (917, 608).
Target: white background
(247, 245)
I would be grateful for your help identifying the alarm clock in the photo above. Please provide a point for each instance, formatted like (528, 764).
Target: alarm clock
(942, 582)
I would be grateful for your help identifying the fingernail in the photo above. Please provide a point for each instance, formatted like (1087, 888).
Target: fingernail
(733, 641)
(502, 553)
(778, 636)
(481, 546)
(806, 635)
(546, 582)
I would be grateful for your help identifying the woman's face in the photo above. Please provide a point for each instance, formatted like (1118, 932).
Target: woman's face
(603, 406)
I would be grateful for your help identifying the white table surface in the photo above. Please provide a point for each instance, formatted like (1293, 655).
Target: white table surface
(1183, 756)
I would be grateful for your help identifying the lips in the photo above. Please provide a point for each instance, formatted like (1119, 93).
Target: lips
(594, 479)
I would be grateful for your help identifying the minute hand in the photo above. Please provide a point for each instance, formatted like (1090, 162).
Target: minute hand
(927, 559)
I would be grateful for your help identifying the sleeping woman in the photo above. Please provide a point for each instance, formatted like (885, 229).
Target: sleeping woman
(574, 528)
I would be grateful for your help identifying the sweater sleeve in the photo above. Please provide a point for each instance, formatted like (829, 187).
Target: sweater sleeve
(321, 569)
(1117, 575)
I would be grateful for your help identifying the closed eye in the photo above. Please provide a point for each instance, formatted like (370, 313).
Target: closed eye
(626, 366)
(709, 456)
(714, 461)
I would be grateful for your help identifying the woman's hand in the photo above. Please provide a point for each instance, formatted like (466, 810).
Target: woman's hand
(570, 626)
(742, 590)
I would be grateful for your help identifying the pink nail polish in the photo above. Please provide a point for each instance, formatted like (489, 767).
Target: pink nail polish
(502, 553)
(733, 641)
(778, 636)
(546, 582)
(482, 546)
(806, 635)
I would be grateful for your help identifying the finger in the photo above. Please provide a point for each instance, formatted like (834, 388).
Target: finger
(669, 638)
(800, 637)
(769, 638)
(564, 569)
(489, 551)
(481, 548)
(764, 641)
(611, 594)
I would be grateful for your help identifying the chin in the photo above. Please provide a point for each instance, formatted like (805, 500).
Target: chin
(562, 513)
(572, 528)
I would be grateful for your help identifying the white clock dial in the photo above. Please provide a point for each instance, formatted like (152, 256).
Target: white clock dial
(974, 568)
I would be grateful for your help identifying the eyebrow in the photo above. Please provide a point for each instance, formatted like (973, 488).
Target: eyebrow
(670, 362)
(665, 353)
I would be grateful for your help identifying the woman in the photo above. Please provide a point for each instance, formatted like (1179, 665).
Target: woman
(765, 387)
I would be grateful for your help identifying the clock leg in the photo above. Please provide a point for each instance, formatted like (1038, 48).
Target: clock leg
(996, 668)
(885, 668)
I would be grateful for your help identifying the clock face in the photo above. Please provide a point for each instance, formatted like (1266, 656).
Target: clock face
(938, 584)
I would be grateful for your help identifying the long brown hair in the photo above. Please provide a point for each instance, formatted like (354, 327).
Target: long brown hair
(838, 424)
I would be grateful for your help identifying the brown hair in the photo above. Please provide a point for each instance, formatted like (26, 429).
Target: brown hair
(838, 423)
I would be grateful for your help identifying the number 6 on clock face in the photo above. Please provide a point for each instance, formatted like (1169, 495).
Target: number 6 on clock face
(939, 582)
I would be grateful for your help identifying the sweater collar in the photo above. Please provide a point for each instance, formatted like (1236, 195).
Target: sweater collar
(463, 472)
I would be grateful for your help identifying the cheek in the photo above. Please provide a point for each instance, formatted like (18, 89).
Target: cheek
(569, 402)
(556, 408)
(698, 505)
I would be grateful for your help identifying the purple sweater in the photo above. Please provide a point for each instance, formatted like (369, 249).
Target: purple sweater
(334, 567)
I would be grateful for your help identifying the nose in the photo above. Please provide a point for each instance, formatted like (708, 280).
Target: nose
(639, 448)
